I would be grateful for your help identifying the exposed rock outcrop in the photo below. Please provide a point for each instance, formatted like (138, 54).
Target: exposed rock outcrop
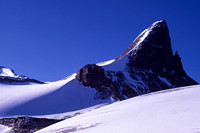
(94, 76)
(14, 80)
(27, 124)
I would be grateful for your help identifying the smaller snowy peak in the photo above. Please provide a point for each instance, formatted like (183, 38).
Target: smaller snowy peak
(7, 72)
(8, 75)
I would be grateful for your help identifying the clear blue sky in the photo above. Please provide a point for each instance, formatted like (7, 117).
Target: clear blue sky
(51, 39)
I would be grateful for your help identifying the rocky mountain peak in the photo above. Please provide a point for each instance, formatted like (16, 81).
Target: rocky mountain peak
(147, 65)
(156, 32)
(152, 50)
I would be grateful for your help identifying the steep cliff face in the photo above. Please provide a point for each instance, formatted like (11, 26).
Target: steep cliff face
(147, 65)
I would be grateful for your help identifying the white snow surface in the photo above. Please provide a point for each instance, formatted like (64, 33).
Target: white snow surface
(46, 99)
(70, 114)
(4, 129)
(104, 63)
(118, 65)
(169, 111)
(142, 36)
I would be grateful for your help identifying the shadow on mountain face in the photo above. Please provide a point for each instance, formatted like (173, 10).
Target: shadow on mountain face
(72, 96)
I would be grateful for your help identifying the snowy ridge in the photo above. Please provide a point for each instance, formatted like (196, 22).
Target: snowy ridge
(104, 63)
(140, 38)
(70, 77)
(144, 35)
(169, 111)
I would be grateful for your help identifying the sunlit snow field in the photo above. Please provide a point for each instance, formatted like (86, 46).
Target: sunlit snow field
(170, 111)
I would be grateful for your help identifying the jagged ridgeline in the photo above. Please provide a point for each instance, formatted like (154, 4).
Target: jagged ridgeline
(147, 65)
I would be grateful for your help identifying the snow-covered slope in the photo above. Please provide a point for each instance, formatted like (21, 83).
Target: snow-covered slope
(170, 111)
(4, 129)
(147, 65)
(44, 99)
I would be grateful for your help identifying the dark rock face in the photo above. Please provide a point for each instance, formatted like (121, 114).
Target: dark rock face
(94, 76)
(154, 57)
(151, 66)
(154, 53)
(27, 124)
(14, 80)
